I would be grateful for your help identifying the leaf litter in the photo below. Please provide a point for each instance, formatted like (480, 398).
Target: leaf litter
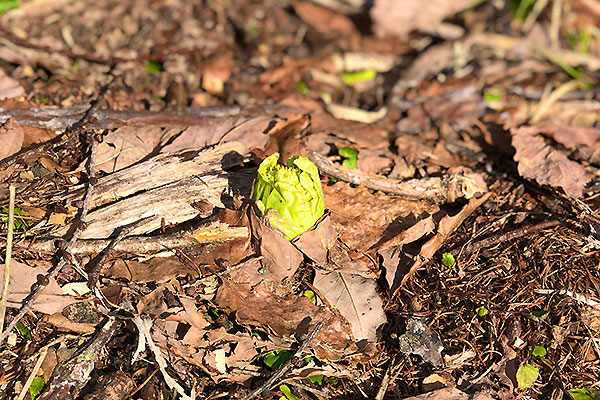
(442, 167)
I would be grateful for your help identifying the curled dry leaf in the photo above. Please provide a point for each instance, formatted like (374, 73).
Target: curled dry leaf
(11, 137)
(547, 166)
(360, 217)
(357, 300)
(9, 88)
(400, 17)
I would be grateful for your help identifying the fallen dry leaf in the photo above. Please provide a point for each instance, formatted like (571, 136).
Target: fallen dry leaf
(400, 17)
(446, 227)
(280, 258)
(357, 300)
(324, 20)
(359, 216)
(216, 72)
(9, 87)
(547, 166)
(11, 137)
(126, 146)
(585, 141)
(22, 276)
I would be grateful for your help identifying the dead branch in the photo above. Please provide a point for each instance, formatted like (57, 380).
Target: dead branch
(504, 237)
(435, 190)
(95, 265)
(70, 377)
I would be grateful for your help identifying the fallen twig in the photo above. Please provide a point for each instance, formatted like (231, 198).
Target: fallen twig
(436, 190)
(9, 242)
(387, 379)
(76, 228)
(145, 337)
(95, 265)
(514, 234)
(287, 366)
(33, 373)
(70, 377)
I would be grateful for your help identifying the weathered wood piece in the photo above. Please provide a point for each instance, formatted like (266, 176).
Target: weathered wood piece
(165, 186)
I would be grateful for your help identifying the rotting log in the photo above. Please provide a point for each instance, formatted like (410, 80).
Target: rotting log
(166, 186)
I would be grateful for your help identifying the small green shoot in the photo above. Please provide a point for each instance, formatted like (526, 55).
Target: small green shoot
(493, 94)
(37, 385)
(153, 67)
(539, 316)
(6, 5)
(302, 88)
(350, 156)
(43, 98)
(579, 41)
(448, 260)
(287, 393)
(482, 311)
(527, 374)
(23, 331)
(19, 224)
(521, 9)
(276, 359)
(316, 379)
(311, 295)
(254, 31)
(539, 351)
(584, 394)
(350, 78)
(75, 66)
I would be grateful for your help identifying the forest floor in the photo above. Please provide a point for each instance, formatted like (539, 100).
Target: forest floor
(458, 146)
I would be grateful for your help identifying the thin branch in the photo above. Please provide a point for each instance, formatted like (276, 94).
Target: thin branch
(76, 229)
(511, 235)
(287, 366)
(436, 190)
(110, 61)
(33, 373)
(96, 263)
(9, 241)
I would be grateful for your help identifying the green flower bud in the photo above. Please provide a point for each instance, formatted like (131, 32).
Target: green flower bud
(293, 192)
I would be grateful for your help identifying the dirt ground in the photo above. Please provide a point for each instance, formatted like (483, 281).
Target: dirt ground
(458, 147)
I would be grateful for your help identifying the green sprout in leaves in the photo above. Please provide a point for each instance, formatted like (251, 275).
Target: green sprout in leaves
(276, 359)
(23, 331)
(316, 379)
(287, 393)
(584, 394)
(37, 385)
(311, 295)
(292, 192)
(350, 156)
(302, 88)
(493, 94)
(19, 224)
(153, 67)
(6, 5)
(539, 316)
(482, 311)
(448, 260)
(539, 351)
(350, 78)
(527, 374)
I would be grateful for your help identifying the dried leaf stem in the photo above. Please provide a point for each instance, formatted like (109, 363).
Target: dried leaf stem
(9, 241)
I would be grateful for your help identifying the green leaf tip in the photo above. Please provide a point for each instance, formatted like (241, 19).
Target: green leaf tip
(293, 192)
(527, 374)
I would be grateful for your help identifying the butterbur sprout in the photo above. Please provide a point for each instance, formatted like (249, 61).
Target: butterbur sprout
(292, 192)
